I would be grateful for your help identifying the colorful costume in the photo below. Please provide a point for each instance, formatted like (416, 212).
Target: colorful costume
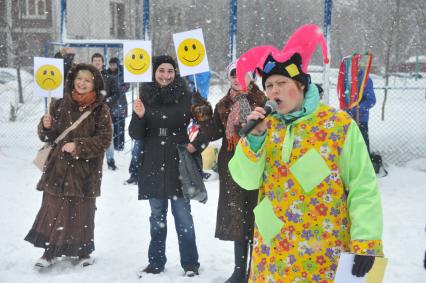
(318, 192)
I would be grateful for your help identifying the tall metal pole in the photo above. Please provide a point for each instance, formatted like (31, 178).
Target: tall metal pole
(145, 28)
(328, 5)
(232, 46)
(63, 20)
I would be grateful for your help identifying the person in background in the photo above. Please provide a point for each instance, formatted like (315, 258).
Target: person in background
(119, 110)
(72, 175)
(67, 54)
(361, 112)
(318, 193)
(161, 117)
(235, 217)
(135, 163)
(111, 98)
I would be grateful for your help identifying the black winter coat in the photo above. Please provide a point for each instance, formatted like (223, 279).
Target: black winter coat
(119, 109)
(167, 108)
(112, 90)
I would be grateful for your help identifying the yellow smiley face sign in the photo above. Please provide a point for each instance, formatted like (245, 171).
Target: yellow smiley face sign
(191, 52)
(48, 77)
(137, 61)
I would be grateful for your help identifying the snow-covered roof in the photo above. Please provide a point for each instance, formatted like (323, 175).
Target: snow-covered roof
(412, 59)
(91, 42)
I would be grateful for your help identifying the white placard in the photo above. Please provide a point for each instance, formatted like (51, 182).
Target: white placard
(344, 270)
(48, 77)
(137, 57)
(191, 52)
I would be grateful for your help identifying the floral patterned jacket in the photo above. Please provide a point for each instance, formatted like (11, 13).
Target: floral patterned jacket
(318, 196)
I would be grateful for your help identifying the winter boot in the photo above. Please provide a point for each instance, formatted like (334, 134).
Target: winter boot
(240, 270)
(150, 269)
(85, 261)
(111, 164)
(45, 261)
(210, 176)
(191, 272)
(132, 180)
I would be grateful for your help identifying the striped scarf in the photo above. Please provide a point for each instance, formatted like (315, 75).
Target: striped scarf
(239, 112)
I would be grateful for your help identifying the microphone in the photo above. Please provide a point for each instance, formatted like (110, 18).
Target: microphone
(270, 106)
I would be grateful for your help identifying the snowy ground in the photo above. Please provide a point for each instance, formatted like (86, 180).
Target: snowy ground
(122, 226)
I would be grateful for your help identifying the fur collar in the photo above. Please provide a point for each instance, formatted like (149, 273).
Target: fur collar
(154, 95)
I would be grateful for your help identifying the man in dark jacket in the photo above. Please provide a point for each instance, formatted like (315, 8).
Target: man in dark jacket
(68, 55)
(119, 109)
(360, 113)
(111, 97)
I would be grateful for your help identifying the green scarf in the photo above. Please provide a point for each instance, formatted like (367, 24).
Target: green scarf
(310, 104)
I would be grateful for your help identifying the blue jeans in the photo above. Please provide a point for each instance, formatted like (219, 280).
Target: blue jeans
(110, 152)
(135, 162)
(181, 210)
(119, 124)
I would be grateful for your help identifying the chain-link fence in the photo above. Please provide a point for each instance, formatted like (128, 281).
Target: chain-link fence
(396, 126)
(397, 122)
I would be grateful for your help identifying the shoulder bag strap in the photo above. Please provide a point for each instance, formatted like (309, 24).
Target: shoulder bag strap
(73, 126)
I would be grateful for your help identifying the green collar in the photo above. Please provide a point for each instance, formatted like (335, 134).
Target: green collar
(310, 104)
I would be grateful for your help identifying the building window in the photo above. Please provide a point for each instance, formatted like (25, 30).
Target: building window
(33, 9)
(118, 22)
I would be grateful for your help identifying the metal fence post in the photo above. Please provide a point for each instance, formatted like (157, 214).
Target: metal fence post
(327, 30)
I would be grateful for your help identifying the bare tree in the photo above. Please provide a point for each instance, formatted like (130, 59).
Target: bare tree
(14, 48)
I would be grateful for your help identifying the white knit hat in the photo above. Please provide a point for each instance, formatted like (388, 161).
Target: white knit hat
(229, 68)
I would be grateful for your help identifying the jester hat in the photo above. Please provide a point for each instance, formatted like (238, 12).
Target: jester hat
(292, 61)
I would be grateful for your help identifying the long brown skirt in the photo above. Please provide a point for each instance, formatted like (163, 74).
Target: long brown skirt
(64, 226)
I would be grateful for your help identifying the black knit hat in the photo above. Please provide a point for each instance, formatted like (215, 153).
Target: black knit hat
(290, 68)
(158, 60)
(114, 60)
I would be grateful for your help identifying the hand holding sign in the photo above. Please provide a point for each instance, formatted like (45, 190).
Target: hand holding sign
(47, 121)
(139, 108)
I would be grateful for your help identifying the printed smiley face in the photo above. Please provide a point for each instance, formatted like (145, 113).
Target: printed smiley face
(48, 77)
(191, 52)
(137, 61)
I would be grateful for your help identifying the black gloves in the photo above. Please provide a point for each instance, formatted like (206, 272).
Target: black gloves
(362, 265)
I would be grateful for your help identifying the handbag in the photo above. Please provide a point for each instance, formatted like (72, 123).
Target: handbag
(44, 152)
(377, 161)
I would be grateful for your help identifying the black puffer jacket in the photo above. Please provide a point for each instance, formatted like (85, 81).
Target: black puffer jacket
(166, 108)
